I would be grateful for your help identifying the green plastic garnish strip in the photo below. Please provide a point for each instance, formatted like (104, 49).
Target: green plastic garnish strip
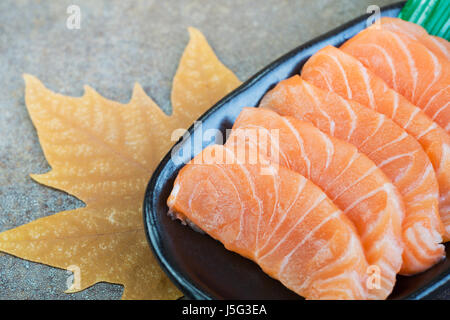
(433, 15)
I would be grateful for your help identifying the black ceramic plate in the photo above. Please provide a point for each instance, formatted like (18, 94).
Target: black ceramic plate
(199, 265)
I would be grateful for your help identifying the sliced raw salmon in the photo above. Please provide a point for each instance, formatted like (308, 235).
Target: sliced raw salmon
(408, 67)
(334, 70)
(394, 151)
(439, 46)
(313, 249)
(350, 179)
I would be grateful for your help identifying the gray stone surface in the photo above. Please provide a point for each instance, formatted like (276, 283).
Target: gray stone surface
(120, 42)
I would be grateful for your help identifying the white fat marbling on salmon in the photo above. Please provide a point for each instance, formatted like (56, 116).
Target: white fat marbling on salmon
(410, 60)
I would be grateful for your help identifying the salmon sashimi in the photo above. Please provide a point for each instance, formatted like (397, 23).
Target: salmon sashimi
(313, 249)
(437, 45)
(350, 179)
(334, 70)
(394, 151)
(408, 67)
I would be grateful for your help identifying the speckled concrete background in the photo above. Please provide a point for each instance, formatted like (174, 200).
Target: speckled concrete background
(120, 42)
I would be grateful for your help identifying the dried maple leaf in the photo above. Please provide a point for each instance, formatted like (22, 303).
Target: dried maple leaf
(104, 152)
(201, 80)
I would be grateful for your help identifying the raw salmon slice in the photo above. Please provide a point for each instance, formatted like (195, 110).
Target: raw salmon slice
(408, 67)
(334, 70)
(395, 152)
(437, 45)
(350, 179)
(314, 251)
